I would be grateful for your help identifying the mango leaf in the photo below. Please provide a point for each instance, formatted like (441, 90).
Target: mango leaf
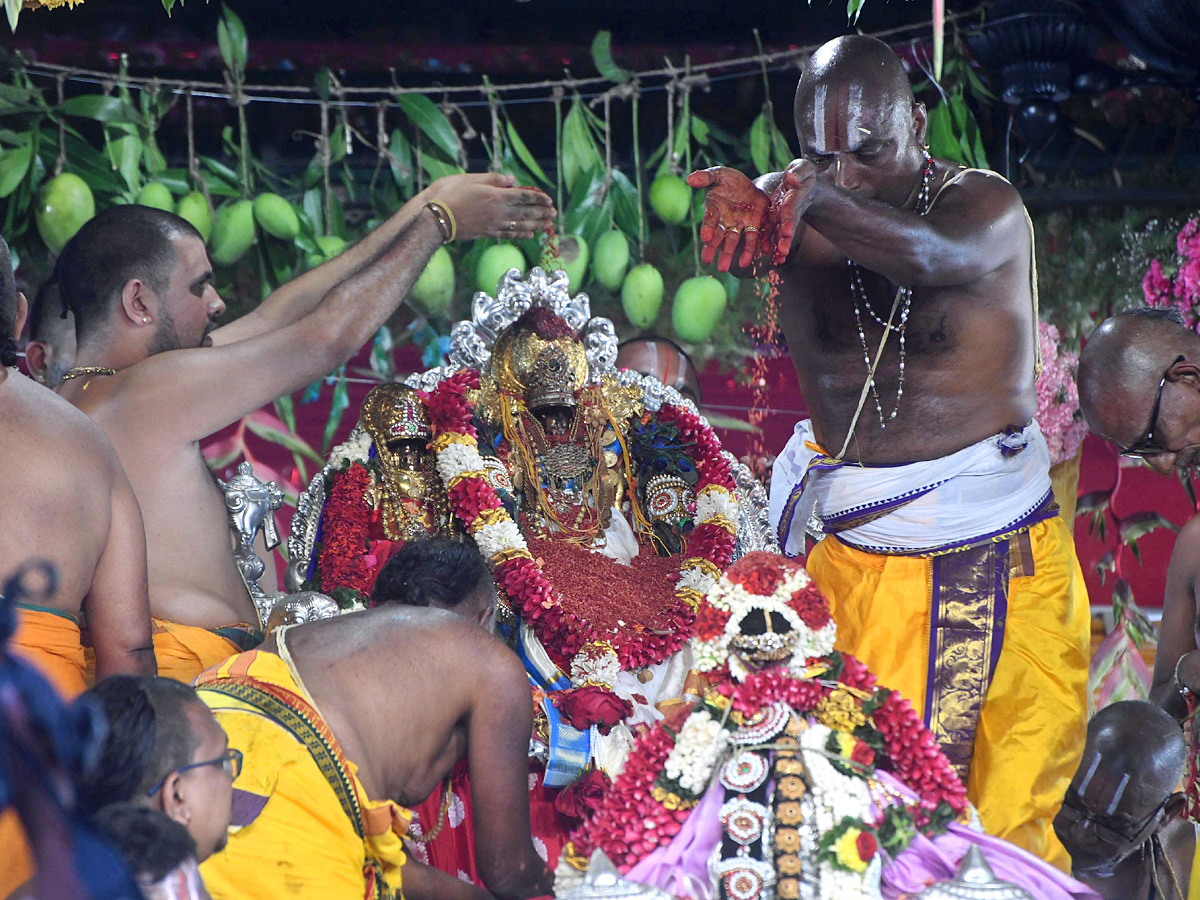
(285, 408)
(1139, 524)
(101, 109)
(436, 167)
(853, 9)
(400, 160)
(602, 56)
(760, 144)
(524, 155)
(324, 82)
(623, 196)
(14, 164)
(13, 9)
(125, 154)
(967, 131)
(231, 40)
(781, 152)
(939, 133)
(425, 114)
(580, 154)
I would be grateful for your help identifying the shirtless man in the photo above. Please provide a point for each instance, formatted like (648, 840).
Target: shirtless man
(934, 453)
(66, 501)
(154, 371)
(402, 693)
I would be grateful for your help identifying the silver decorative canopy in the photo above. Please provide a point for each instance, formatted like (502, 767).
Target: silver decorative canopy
(603, 882)
(974, 881)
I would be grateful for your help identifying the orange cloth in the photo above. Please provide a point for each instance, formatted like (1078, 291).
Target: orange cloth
(184, 651)
(49, 641)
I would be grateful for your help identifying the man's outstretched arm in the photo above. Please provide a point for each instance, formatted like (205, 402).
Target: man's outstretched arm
(118, 604)
(977, 226)
(189, 394)
(501, 721)
(291, 302)
(1177, 635)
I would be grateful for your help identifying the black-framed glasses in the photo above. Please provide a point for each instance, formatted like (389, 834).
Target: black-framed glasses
(230, 761)
(1145, 445)
(1113, 831)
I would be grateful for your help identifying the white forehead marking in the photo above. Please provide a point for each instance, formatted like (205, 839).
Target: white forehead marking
(854, 109)
(1087, 779)
(1117, 796)
(819, 117)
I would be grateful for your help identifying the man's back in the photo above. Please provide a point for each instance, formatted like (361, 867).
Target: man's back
(67, 501)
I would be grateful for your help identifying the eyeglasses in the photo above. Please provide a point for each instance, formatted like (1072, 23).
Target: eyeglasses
(1113, 831)
(230, 761)
(1145, 445)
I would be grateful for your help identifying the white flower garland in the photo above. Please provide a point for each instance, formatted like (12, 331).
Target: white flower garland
(499, 537)
(355, 449)
(458, 459)
(593, 666)
(701, 742)
(837, 796)
(715, 501)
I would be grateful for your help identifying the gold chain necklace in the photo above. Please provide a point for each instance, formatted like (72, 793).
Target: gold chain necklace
(85, 371)
(445, 808)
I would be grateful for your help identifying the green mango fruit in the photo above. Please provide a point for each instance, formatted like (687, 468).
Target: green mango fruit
(194, 208)
(698, 307)
(493, 263)
(611, 258)
(276, 216)
(157, 196)
(642, 295)
(233, 232)
(573, 253)
(670, 198)
(432, 292)
(64, 203)
(330, 246)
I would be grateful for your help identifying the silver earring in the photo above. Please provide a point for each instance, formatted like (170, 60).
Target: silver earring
(145, 320)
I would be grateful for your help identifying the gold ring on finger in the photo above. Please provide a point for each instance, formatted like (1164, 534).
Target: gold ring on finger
(748, 229)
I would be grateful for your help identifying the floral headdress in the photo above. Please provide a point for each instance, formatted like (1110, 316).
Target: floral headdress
(795, 623)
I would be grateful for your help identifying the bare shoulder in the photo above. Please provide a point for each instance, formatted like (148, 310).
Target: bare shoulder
(57, 429)
(979, 188)
(1186, 552)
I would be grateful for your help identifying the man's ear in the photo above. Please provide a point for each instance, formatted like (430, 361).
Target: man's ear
(22, 314)
(38, 359)
(138, 302)
(172, 801)
(1176, 807)
(920, 124)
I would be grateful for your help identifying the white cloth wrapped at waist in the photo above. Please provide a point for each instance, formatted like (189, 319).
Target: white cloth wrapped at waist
(995, 486)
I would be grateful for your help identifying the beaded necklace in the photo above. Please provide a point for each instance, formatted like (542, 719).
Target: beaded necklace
(903, 299)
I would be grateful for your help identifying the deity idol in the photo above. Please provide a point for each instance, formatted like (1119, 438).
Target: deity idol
(379, 490)
(794, 776)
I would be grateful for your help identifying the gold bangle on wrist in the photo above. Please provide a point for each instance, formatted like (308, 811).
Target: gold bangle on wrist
(445, 220)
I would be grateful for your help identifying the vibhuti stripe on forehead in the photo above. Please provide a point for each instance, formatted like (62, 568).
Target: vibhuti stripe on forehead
(1087, 779)
(854, 117)
(819, 97)
(1120, 792)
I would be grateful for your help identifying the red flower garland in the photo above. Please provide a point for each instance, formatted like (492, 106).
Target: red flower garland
(562, 633)
(630, 823)
(344, 528)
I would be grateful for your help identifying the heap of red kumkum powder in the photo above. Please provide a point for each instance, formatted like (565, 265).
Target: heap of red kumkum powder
(611, 597)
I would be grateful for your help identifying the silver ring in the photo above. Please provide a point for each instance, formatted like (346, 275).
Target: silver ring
(512, 225)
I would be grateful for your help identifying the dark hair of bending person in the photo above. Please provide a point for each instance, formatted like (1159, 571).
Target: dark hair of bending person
(442, 573)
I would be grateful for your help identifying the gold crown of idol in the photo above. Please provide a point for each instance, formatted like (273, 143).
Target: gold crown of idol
(394, 412)
(540, 360)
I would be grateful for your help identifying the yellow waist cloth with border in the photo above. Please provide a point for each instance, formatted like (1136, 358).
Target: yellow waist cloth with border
(184, 651)
(1032, 718)
(292, 834)
(49, 641)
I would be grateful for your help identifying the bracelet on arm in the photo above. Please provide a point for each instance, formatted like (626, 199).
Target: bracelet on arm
(445, 220)
(1184, 691)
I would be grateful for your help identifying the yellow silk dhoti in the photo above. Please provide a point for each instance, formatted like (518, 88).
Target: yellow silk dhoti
(1031, 713)
(49, 641)
(303, 825)
(184, 651)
